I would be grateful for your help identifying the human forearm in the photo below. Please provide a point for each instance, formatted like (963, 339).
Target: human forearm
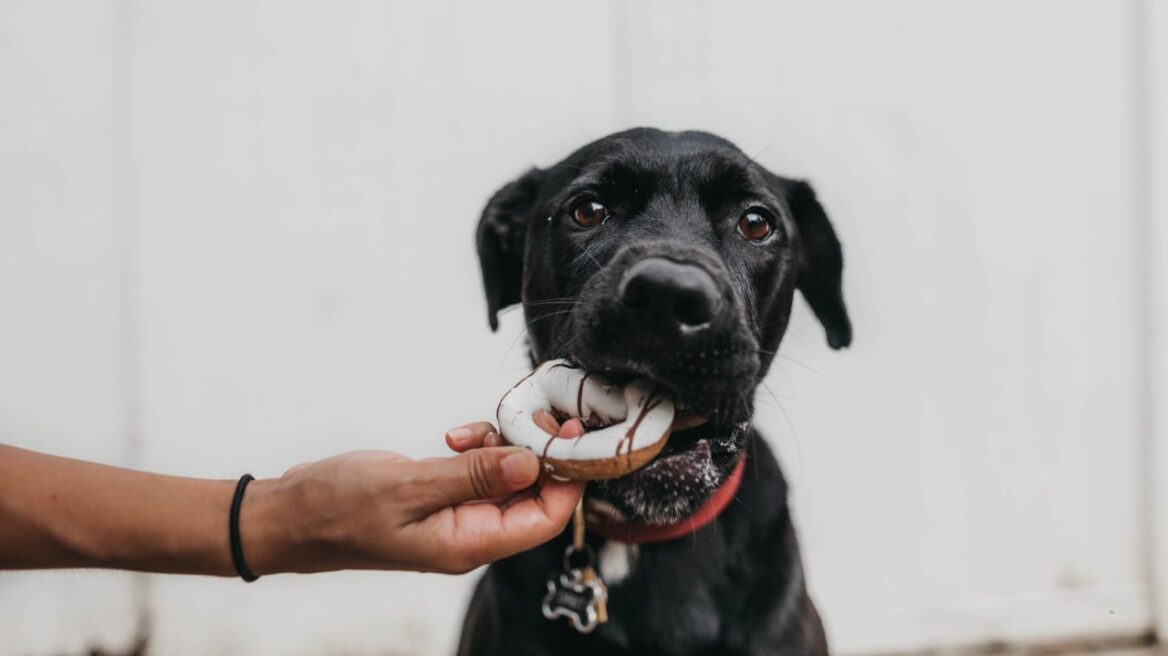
(361, 510)
(60, 512)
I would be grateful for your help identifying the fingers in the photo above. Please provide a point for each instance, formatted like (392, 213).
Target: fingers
(474, 475)
(531, 522)
(546, 421)
(482, 533)
(482, 434)
(571, 428)
(472, 436)
(550, 425)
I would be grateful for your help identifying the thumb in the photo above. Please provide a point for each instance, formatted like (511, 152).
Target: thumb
(480, 474)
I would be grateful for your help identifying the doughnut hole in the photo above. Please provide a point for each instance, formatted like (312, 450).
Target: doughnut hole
(547, 422)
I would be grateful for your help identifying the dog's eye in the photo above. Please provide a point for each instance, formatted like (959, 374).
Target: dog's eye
(754, 226)
(590, 213)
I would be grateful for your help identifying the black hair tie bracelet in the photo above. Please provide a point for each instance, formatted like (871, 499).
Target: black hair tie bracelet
(233, 531)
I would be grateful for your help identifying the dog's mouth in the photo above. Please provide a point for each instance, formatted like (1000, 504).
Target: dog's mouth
(689, 445)
(673, 485)
(700, 418)
(706, 440)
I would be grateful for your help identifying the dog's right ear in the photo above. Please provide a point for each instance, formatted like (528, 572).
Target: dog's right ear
(501, 235)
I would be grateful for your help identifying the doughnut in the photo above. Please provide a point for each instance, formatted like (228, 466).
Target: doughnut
(626, 425)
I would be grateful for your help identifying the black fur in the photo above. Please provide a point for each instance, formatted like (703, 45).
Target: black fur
(719, 305)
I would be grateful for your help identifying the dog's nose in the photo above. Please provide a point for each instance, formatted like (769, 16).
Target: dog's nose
(683, 293)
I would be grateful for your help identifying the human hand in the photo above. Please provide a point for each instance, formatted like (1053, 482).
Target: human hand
(381, 510)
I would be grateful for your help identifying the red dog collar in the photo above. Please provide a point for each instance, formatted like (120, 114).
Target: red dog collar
(615, 529)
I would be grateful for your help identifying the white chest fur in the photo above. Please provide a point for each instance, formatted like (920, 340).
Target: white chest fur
(616, 561)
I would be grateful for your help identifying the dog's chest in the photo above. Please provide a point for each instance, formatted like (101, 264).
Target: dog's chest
(658, 601)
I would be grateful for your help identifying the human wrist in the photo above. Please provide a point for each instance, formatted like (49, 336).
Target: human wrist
(265, 528)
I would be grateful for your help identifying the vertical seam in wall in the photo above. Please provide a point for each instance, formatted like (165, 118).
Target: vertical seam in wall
(620, 64)
(1152, 495)
(129, 342)
(127, 234)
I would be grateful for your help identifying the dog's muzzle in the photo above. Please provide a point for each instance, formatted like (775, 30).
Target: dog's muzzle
(667, 311)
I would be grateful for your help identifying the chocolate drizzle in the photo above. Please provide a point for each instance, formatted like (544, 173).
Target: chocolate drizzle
(580, 396)
(499, 406)
(647, 404)
(546, 446)
(626, 442)
(561, 364)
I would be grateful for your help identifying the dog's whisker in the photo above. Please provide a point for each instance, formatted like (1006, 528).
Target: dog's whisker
(588, 252)
(578, 263)
(564, 349)
(808, 367)
(562, 165)
(511, 346)
(551, 301)
(769, 401)
(745, 505)
(790, 425)
(764, 149)
(580, 127)
(784, 356)
(526, 329)
(569, 303)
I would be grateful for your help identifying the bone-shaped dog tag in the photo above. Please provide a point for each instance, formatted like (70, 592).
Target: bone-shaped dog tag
(575, 597)
(590, 576)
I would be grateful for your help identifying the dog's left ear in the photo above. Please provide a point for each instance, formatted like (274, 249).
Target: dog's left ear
(820, 277)
(501, 235)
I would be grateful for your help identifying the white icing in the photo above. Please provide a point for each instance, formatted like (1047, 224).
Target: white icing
(556, 384)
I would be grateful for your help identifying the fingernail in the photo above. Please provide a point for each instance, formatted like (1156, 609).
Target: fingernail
(546, 421)
(492, 439)
(458, 434)
(518, 467)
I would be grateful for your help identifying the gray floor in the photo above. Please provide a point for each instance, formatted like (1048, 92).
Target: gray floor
(1128, 651)
(1122, 648)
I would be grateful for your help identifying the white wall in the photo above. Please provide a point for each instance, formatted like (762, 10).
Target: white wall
(61, 352)
(1153, 130)
(235, 236)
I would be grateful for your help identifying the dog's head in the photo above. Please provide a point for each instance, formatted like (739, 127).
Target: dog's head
(671, 256)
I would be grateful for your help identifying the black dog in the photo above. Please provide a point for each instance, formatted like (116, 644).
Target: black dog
(675, 257)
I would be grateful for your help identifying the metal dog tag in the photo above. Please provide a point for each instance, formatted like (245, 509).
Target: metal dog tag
(578, 593)
(575, 597)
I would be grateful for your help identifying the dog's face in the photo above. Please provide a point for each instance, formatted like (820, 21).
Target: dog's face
(671, 256)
